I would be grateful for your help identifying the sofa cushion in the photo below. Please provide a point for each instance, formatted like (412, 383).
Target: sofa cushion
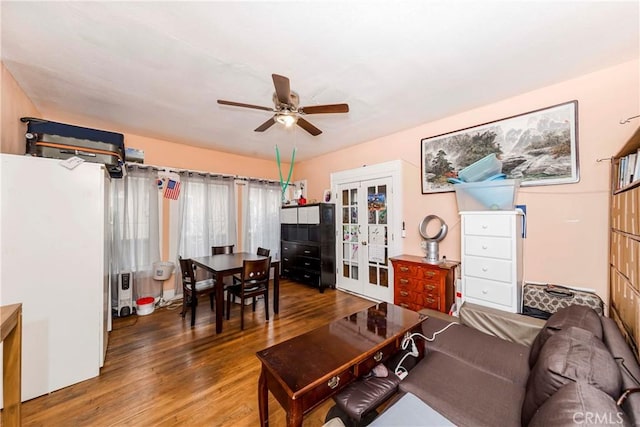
(496, 356)
(569, 356)
(579, 404)
(573, 315)
(463, 393)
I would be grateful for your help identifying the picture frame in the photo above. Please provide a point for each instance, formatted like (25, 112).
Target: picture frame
(538, 147)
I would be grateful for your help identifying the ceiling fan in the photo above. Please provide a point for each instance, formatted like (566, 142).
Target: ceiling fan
(286, 108)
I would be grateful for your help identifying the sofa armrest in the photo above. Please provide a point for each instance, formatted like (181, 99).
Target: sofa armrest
(502, 324)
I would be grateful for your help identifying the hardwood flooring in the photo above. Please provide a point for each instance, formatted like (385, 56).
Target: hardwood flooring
(161, 372)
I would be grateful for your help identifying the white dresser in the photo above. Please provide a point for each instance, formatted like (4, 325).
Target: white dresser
(492, 259)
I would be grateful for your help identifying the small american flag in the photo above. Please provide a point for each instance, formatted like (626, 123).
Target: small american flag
(173, 190)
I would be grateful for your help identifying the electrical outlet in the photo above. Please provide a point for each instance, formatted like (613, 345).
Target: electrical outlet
(423, 244)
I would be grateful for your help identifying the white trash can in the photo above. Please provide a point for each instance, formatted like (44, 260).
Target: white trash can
(162, 270)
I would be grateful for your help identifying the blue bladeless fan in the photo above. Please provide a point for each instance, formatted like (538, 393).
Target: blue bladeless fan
(433, 257)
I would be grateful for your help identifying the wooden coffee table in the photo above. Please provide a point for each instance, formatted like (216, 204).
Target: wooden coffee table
(306, 370)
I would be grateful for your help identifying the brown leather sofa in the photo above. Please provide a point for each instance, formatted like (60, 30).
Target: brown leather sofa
(496, 368)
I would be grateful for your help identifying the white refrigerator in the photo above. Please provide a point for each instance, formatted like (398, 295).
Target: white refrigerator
(54, 259)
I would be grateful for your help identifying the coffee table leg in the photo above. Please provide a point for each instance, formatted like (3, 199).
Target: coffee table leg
(263, 399)
(294, 416)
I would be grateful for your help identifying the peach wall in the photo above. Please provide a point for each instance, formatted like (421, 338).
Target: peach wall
(15, 104)
(567, 238)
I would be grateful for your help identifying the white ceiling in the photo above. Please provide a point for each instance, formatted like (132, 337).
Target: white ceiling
(157, 68)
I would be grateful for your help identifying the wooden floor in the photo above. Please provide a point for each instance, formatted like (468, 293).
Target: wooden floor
(161, 372)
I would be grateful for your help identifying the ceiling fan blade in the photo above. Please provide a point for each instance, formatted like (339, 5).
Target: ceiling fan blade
(318, 109)
(283, 88)
(308, 127)
(266, 125)
(240, 104)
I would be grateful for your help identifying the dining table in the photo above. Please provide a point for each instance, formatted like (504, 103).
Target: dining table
(229, 264)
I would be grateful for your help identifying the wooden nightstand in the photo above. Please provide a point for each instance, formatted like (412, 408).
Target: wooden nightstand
(419, 285)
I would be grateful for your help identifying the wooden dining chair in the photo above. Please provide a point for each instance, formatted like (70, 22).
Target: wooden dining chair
(192, 289)
(261, 252)
(254, 281)
(220, 250)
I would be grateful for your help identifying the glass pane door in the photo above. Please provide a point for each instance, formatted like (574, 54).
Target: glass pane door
(349, 272)
(377, 235)
(363, 260)
(377, 239)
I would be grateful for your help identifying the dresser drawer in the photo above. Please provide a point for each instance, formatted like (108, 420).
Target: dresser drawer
(377, 357)
(431, 301)
(488, 225)
(328, 388)
(407, 297)
(431, 288)
(287, 260)
(486, 290)
(493, 247)
(309, 277)
(408, 283)
(486, 268)
(308, 263)
(434, 275)
(308, 251)
(406, 270)
(289, 249)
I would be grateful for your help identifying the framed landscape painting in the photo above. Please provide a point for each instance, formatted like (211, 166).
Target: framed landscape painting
(539, 148)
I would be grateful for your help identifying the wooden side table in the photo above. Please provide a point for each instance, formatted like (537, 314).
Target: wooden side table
(11, 334)
(419, 285)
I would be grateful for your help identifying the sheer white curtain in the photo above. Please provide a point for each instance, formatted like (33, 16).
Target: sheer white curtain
(207, 216)
(136, 231)
(261, 219)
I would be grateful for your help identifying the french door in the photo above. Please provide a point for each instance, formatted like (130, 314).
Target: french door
(364, 232)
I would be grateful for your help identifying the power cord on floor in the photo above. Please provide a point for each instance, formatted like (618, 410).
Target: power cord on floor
(171, 304)
(400, 371)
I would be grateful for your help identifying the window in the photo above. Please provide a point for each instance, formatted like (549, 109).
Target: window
(136, 231)
(207, 214)
(262, 217)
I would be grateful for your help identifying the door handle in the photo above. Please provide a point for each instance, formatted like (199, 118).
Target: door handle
(364, 243)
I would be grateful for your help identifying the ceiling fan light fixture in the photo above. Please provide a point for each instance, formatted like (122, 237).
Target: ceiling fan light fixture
(287, 120)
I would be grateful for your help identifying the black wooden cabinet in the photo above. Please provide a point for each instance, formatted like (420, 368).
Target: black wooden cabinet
(308, 250)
